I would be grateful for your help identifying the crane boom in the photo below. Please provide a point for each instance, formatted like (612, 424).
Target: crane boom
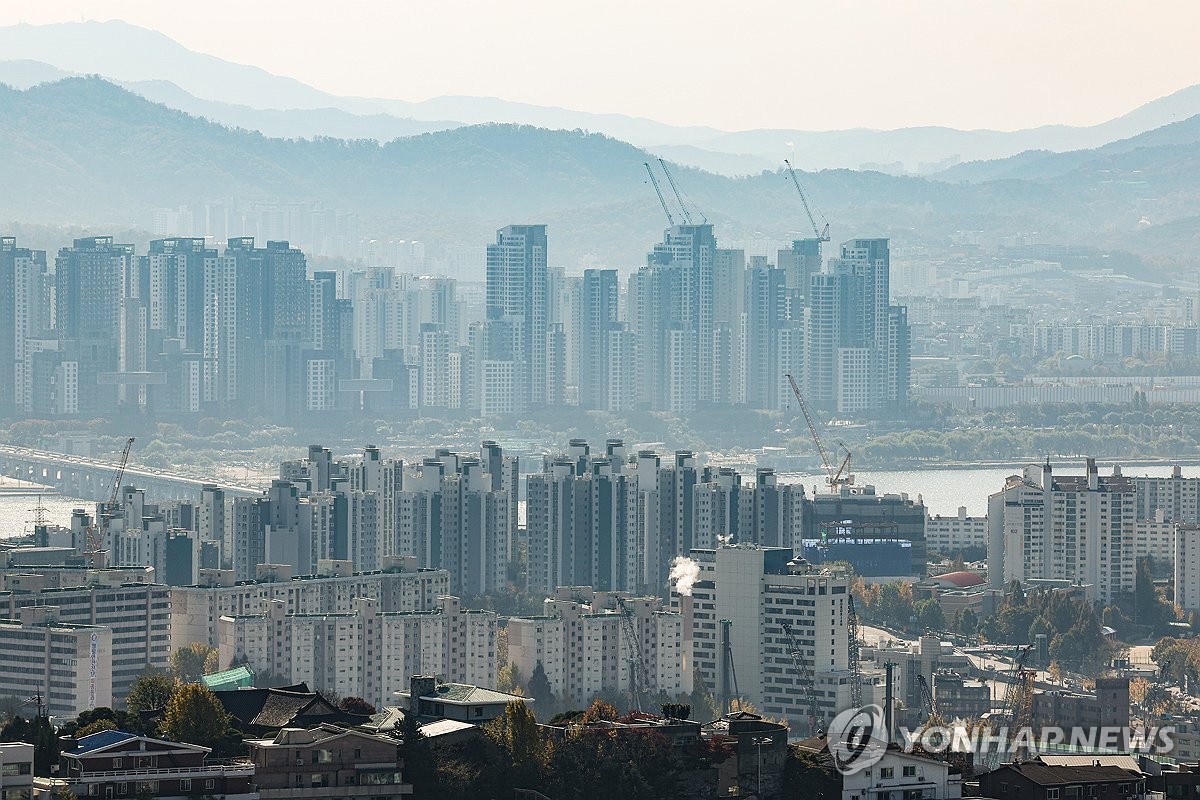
(852, 652)
(687, 217)
(835, 477)
(821, 235)
(119, 474)
(804, 670)
(637, 664)
(658, 191)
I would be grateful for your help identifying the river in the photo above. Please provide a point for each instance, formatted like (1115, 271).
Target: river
(944, 489)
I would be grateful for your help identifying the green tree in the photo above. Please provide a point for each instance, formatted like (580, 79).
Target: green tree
(150, 691)
(195, 715)
(539, 689)
(813, 777)
(187, 663)
(968, 622)
(599, 710)
(96, 727)
(930, 616)
(420, 768)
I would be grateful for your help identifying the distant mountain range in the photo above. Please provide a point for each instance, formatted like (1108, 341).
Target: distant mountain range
(84, 151)
(161, 69)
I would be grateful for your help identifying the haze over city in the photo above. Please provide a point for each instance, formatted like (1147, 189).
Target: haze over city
(621, 401)
(733, 66)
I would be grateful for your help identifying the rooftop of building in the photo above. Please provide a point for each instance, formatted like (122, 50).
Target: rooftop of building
(1043, 774)
(466, 694)
(962, 579)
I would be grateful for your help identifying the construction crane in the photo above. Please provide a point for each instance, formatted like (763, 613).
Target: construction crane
(852, 652)
(97, 532)
(687, 216)
(1012, 703)
(637, 664)
(835, 477)
(808, 681)
(820, 234)
(658, 191)
(727, 670)
(927, 702)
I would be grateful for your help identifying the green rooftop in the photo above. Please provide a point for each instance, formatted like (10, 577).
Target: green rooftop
(237, 678)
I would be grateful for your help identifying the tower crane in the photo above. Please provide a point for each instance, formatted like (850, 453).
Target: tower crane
(98, 531)
(835, 477)
(658, 191)
(687, 216)
(1013, 706)
(820, 234)
(808, 681)
(927, 702)
(852, 652)
(637, 664)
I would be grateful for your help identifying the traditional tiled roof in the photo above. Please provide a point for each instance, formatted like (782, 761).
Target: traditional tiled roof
(465, 693)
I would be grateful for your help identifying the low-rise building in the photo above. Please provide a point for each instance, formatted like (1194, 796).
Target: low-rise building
(119, 764)
(431, 700)
(328, 761)
(68, 665)
(1035, 780)
(897, 774)
(16, 771)
(951, 535)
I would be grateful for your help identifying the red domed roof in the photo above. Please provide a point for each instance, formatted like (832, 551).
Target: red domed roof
(961, 579)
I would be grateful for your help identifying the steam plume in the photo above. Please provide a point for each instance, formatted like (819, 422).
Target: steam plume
(684, 573)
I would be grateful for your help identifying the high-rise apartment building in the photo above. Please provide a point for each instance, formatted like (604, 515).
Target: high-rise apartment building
(581, 640)
(365, 652)
(1065, 529)
(24, 314)
(517, 298)
(755, 595)
(857, 344)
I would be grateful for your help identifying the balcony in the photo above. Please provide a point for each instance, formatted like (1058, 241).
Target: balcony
(210, 769)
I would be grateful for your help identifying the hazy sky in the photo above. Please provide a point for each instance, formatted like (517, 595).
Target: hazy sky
(789, 63)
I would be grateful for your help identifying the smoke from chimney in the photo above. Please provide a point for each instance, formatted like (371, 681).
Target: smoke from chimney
(684, 573)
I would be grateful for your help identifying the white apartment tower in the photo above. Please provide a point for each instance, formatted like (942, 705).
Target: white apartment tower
(1076, 529)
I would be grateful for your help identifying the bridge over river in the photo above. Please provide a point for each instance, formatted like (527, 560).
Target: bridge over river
(91, 479)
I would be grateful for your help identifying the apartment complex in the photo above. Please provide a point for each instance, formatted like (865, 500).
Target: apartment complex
(331, 590)
(364, 652)
(584, 640)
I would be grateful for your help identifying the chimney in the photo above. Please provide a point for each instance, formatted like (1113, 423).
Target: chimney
(420, 686)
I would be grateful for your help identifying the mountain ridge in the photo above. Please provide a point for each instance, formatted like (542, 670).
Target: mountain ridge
(85, 151)
(122, 52)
